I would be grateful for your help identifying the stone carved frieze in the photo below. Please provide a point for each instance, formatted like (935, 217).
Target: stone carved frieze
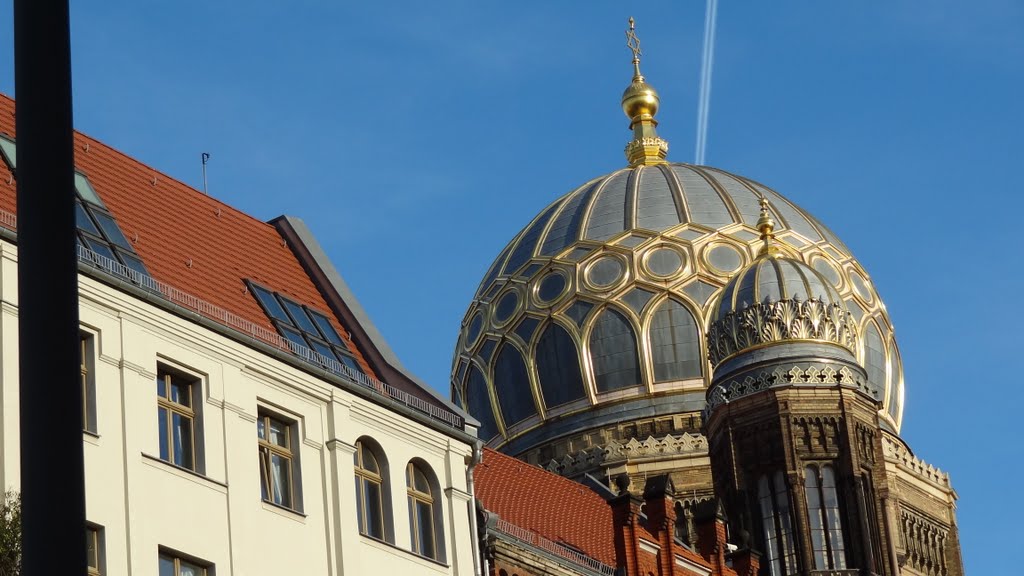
(924, 543)
(817, 435)
(791, 319)
(615, 452)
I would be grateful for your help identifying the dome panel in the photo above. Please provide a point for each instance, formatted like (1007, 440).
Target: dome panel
(895, 400)
(512, 386)
(675, 343)
(790, 217)
(578, 311)
(704, 204)
(656, 207)
(874, 356)
(558, 368)
(743, 198)
(613, 352)
(663, 262)
(524, 249)
(478, 403)
(566, 226)
(608, 213)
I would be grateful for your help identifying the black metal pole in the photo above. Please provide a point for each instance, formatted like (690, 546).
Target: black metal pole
(52, 470)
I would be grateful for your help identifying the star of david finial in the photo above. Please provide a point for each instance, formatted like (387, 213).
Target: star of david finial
(632, 42)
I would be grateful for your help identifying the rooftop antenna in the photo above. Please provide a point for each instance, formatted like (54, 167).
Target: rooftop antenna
(205, 157)
(704, 107)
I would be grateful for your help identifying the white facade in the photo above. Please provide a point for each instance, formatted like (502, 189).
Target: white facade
(217, 517)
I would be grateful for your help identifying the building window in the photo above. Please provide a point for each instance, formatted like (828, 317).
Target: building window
(94, 550)
(174, 565)
(776, 525)
(278, 471)
(823, 512)
(177, 417)
(88, 369)
(422, 521)
(309, 333)
(369, 491)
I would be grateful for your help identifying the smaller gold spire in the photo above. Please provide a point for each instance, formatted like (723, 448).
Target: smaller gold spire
(766, 225)
(640, 103)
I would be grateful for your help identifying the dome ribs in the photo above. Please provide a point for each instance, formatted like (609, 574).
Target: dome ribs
(723, 196)
(657, 207)
(605, 217)
(682, 209)
(565, 227)
(629, 206)
(747, 200)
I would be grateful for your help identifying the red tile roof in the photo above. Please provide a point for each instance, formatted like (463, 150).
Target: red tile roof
(552, 506)
(185, 238)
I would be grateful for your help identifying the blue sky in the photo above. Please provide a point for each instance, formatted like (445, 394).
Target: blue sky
(415, 139)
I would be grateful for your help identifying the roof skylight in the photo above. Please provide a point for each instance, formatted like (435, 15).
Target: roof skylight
(97, 229)
(304, 327)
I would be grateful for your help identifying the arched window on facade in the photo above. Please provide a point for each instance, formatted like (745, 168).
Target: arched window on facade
(777, 525)
(675, 344)
(613, 352)
(425, 524)
(370, 470)
(823, 513)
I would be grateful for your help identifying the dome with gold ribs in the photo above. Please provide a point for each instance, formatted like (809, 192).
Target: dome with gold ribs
(775, 300)
(597, 312)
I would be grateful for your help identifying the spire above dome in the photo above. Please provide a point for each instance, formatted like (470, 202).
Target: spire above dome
(640, 103)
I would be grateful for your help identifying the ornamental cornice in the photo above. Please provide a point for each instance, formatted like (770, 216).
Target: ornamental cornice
(776, 321)
(898, 454)
(795, 375)
(615, 452)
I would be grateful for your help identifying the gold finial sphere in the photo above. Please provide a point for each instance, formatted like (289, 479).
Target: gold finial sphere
(640, 100)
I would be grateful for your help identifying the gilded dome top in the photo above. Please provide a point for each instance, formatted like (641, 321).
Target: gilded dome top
(777, 299)
(599, 308)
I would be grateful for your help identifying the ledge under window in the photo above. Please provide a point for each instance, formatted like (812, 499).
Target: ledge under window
(435, 564)
(184, 472)
(283, 511)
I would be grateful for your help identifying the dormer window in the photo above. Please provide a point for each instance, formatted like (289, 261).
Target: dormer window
(305, 329)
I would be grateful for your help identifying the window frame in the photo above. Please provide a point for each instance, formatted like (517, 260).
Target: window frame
(833, 538)
(95, 563)
(87, 366)
(781, 558)
(191, 411)
(177, 558)
(267, 449)
(416, 520)
(363, 476)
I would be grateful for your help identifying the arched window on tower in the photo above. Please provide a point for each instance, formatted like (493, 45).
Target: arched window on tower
(675, 344)
(823, 513)
(558, 367)
(614, 353)
(776, 525)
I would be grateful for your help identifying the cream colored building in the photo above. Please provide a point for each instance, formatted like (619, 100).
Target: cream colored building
(182, 483)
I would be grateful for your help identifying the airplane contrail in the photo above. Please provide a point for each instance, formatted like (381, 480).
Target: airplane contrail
(704, 107)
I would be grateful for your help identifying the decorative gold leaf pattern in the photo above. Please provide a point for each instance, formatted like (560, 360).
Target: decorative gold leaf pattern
(791, 319)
